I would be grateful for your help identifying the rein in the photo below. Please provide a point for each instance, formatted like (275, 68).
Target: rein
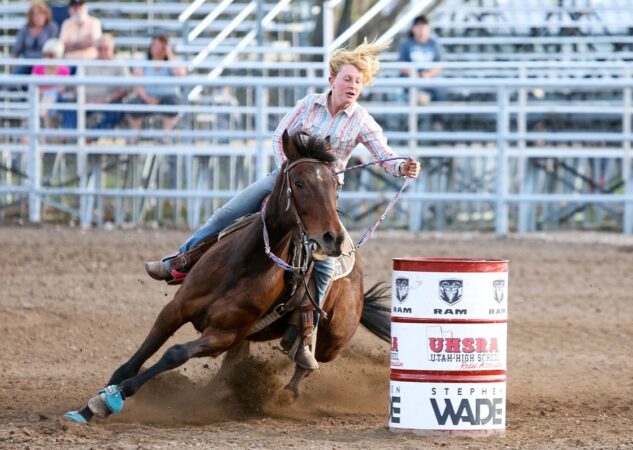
(304, 235)
(306, 267)
(392, 202)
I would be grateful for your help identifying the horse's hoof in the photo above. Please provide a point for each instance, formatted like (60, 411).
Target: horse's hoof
(293, 391)
(76, 417)
(111, 396)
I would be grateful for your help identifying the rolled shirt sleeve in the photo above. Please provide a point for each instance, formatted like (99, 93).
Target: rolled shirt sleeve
(372, 137)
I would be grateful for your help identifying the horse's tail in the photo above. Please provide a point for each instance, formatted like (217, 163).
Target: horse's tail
(376, 315)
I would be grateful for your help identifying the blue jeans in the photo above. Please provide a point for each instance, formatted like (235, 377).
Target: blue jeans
(323, 272)
(21, 70)
(245, 202)
(108, 119)
(248, 201)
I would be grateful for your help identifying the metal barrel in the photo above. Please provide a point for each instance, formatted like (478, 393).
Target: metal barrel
(448, 346)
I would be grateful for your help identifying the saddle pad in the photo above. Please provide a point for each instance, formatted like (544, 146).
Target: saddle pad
(345, 262)
(238, 224)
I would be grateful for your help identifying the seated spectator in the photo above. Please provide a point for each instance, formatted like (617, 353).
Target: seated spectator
(29, 41)
(159, 50)
(53, 49)
(419, 47)
(80, 32)
(101, 94)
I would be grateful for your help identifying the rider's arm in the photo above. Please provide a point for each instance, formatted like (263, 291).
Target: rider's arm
(372, 137)
(291, 121)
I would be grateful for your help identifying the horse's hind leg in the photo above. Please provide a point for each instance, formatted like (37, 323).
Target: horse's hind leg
(232, 357)
(169, 320)
(295, 381)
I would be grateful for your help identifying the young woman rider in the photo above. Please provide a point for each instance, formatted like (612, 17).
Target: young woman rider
(334, 113)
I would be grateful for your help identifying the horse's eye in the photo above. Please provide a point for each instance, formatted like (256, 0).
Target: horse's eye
(299, 184)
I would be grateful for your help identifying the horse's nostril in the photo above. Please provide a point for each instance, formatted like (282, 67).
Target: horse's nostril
(328, 237)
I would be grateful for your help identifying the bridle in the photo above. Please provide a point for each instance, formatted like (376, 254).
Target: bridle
(290, 205)
(303, 233)
(306, 262)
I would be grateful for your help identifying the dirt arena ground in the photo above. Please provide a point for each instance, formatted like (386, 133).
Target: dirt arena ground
(74, 305)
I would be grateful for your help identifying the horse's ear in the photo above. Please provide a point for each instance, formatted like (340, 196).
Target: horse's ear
(328, 142)
(289, 148)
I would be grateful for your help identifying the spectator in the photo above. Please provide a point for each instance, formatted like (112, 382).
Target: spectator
(101, 94)
(80, 32)
(159, 50)
(53, 49)
(419, 47)
(29, 41)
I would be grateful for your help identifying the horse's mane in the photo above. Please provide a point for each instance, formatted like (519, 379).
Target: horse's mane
(312, 147)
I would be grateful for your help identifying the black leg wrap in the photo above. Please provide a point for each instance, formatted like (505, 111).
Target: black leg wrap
(121, 374)
(86, 413)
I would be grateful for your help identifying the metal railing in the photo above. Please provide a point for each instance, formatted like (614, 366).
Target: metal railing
(502, 177)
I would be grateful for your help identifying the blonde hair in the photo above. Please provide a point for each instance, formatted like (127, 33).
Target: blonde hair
(53, 47)
(364, 58)
(41, 7)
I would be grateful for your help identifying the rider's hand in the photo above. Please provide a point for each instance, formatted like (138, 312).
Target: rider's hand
(410, 168)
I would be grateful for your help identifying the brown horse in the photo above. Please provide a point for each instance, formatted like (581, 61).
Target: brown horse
(235, 283)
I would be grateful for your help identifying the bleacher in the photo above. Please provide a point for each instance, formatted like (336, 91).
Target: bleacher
(134, 22)
(529, 39)
(486, 40)
(534, 30)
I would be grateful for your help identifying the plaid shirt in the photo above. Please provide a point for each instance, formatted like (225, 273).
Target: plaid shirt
(346, 129)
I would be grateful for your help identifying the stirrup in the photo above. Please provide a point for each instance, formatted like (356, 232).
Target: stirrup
(176, 277)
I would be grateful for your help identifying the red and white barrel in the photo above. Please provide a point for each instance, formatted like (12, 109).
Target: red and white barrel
(448, 346)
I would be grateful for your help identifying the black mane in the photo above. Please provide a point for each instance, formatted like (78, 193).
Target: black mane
(312, 147)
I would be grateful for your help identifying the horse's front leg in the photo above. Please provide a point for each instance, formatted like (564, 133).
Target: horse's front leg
(210, 343)
(166, 324)
(110, 400)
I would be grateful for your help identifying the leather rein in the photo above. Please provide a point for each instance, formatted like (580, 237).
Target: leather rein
(305, 267)
(391, 203)
(304, 235)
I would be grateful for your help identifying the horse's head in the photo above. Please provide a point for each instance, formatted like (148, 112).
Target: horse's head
(311, 187)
